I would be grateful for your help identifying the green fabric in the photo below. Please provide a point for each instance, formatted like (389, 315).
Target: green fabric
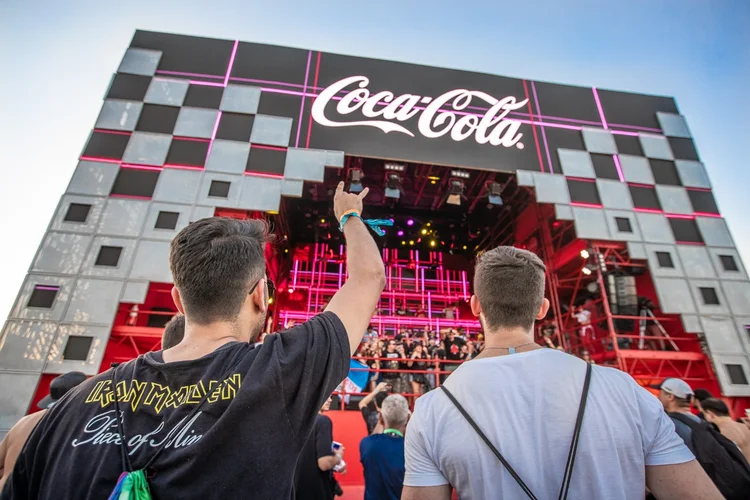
(135, 487)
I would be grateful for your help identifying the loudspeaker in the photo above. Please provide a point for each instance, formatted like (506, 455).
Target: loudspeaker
(623, 300)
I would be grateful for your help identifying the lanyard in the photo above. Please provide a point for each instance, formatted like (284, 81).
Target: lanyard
(394, 431)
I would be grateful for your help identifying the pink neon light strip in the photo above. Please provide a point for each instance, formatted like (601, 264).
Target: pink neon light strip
(213, 137)
(231, 62)
(130, 197)
(42, 287)
(263, 146)
(637, 127)
(581, 179)
(140, 167)
(113, 132)
(599, 107)
(262, 174)
(183, 167)
(623, 132)
(648, 210)
(206, 84)
(94, 158)
(704, 190)
(619, 168)
(707, 214)
(678, 216)
(640, 185)
(585, 205)
(302, 104)
(544, 134)
(194, 139)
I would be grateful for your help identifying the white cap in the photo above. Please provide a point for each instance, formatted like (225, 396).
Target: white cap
(677, 387)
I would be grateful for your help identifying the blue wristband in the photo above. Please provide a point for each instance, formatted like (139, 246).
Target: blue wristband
(373, 224)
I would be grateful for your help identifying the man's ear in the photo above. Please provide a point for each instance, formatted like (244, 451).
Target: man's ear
(542, 313)
(476, 307)
(177, 300)
(259, 297)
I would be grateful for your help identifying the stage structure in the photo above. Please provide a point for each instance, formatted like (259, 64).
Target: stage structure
(607, 187)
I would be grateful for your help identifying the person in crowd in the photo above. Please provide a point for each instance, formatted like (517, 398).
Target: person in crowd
(174, 331)
(313, 477)
(371, 359)
(391, 356)
(451, 345)
(525, 400)
(370, 407)
(717, 412)
(371, 333)
(418, 362)
(382, 455)
(675, 396)
(587, 357)
(699, 396)
(401, 311)
(403, 367)
(451, 311)
(186, 414)
(12, 443)
(583, 316)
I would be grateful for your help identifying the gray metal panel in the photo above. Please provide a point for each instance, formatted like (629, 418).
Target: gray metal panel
(716, 253)
(563, 212)
(692, 174)
(673, 125)
(93, 178)
(721, 334)
(18, 389)
(614, 194)
(140, 62)
(335, 159)
(55, 313)
(618, 235)
(636, 169)
(178, 186)
(590, 223)
(653, 261)
(119, 115)
(743, 326)
(199, 213)
(151, 262)
(715, 232)
(599, 141)
(525, 178)
(720, 363)
(260, 193)
(674, 199)
(149, 231)
(135, 292)
(235, 181)
(738, 296)
(25, 345)
(123, 265)
(551, 188)
(167, 91)
(691, 323)
(55, 361)
(656, 146)
(228, 156)
(292, 189)
(655, 228)
(240, 99)
(145, 148)
(305, 164)
(696, 261)
(703, 308)
(674, 296)
(94, 301)
(195, 122)
(271, 130)
(576, 163)
(61, 253)
(123, 217)
(637, 250)
(60, 224)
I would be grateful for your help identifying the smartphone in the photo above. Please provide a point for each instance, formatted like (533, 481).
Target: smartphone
(336, 446)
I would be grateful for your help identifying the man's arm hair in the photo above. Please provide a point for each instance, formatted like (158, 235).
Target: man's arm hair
(442, 492)
(328, 463)
(355, 301)
(680, 482)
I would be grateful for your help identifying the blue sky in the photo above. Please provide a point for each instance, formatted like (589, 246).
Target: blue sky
(56, 62)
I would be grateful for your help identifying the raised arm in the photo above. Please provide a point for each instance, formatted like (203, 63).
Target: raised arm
(359, 296)
(366, 400)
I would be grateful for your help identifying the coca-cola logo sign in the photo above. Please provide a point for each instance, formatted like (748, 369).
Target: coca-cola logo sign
(440, 116)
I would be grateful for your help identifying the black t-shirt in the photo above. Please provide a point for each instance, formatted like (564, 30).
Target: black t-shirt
(311, 483)
(243, 442)
(420, 362)
(453, 348)
(390, 365)
(370, 414)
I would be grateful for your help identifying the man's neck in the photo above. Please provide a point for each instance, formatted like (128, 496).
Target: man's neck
(499, 342)
(398, 428)
(200, 340)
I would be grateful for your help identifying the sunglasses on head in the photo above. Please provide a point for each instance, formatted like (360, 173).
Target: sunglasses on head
(269, 284)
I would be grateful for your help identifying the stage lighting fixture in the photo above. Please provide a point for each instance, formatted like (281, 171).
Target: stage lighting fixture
(410, 222)
(424, 231)
(433, 243)
(400, 233)
(393, 186)
(403, 243)
(493, 193)
(455, 192)
(411, 242)
(464, 247)
(586, 271)
(584, 254)
(355, 180)
(460, 174)
(395, 167)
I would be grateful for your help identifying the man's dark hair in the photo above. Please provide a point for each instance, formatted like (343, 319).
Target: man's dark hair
(214, 263)
(715, 406)
(380, 397)
(174, 331)
(509, 283)
(702, 394)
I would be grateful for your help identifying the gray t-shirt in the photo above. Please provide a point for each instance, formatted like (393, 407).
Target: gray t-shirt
(527, 405)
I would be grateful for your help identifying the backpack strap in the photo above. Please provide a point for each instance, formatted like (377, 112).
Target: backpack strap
(573, 445)
(686, 420)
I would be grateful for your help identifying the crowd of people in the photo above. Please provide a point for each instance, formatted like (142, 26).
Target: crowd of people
(221, 412)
